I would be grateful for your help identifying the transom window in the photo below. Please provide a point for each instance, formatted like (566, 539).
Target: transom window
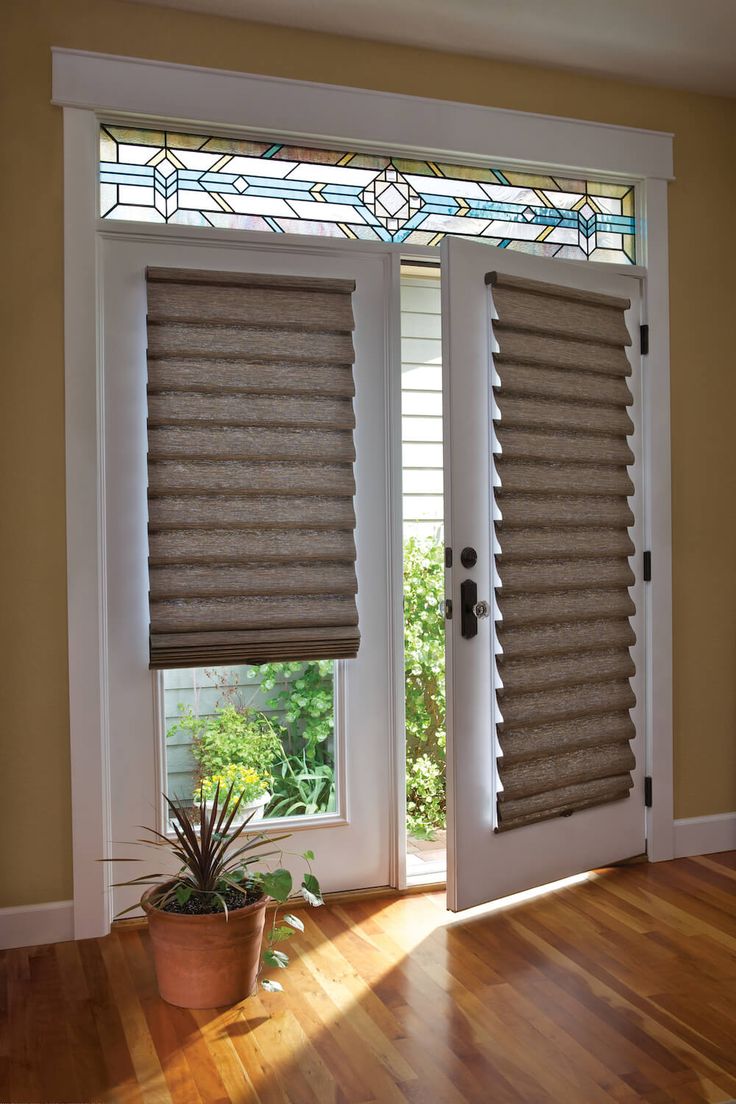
(201, 180)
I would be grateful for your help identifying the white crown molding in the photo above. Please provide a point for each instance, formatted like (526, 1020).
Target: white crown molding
(360, 117)
(32, 925)
(705, 835)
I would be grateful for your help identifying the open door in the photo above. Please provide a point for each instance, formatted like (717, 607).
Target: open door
(545, 630)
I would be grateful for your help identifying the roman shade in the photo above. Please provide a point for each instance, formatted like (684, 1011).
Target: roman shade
(250, 468)
(562, 598)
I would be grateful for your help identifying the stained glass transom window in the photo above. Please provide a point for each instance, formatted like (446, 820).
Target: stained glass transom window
(193, 179)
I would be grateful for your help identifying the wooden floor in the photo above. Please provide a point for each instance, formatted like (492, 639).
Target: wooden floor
(621, 988)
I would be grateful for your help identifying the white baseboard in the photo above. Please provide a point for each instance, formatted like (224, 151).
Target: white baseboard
(31, 925)
(705, 835)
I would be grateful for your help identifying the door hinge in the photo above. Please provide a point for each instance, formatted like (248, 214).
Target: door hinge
(648, 791)
(446, 608)
(647, 573)
(448, 556)
(644, 340)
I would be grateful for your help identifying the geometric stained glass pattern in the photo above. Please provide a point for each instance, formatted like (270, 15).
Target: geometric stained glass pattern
(164, 176)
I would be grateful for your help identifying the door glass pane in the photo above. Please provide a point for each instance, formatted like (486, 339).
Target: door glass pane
(268, 729)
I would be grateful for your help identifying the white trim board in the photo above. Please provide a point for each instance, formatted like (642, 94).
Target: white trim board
(32, 925)
(356, 116)
(706, 835)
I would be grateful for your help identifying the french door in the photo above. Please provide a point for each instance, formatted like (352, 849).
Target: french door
(545, 773)
(353, 840)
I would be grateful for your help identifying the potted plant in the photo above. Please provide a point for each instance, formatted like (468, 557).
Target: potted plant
(229, 738)
(245, 781)
(206, 923)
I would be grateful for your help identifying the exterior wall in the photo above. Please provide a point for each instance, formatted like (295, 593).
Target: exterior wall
(421, 405)
(35, 853)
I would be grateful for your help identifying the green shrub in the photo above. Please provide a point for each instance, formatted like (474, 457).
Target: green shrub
(301, 787)
(424, 644)
(425, 795)
(302, 694)
(246, 739)
(424, 665)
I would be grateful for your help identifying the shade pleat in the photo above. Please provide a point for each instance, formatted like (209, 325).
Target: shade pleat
(523, 742)
(525, 543)
(539, 776)
(560, 637)
(564, 606)
(250, 511)
(567, 799)
(547, 511)
(222, 546)
(541, 575)
(223, 377)
(236, 612)
(252, 579)
(516, 443)
(531, 477)
(174, 442)
(191, 408)
(569, 417)
(565, 385)
(531, 673)
(251, 478)
(250, 455)
(562, 518)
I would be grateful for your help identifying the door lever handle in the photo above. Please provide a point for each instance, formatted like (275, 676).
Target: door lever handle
(468, 601)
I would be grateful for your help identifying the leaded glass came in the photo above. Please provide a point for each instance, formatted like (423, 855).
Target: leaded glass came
(196, 180)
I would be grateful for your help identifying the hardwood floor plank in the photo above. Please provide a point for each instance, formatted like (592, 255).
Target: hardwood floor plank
(618, 990)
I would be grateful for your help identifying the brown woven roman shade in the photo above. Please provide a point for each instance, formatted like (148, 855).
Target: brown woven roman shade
(250, 468)
(563, 603)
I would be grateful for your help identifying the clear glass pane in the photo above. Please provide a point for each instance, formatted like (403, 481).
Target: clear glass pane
(268, 729)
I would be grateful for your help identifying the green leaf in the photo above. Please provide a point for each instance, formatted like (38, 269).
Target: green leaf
(272, 986)
(276, 958)
(311, 891)
(277, 884)
(308, 855)
(279, 934)
(294, 921)
(183, 893)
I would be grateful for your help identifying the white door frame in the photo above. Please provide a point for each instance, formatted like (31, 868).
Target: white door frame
(89, 86)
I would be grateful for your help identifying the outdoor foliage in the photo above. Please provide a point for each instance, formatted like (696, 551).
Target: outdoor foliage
(424, 644)
(302, 787)
(231, 736)
(302, 695)
(425, 795)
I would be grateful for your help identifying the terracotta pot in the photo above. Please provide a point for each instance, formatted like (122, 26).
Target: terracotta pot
(206, 961)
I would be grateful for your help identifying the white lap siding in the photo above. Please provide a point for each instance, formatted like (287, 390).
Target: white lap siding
(421, 405)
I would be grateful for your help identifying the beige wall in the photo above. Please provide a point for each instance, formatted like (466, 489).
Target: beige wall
(35, 818)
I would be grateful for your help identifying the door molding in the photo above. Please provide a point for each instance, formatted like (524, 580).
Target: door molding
(89, 85)
(363, 117)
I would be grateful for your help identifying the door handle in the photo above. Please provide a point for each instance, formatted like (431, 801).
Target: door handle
(468, 601)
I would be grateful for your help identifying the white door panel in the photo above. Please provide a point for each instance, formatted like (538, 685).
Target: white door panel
(484, 864)
(354, 847)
